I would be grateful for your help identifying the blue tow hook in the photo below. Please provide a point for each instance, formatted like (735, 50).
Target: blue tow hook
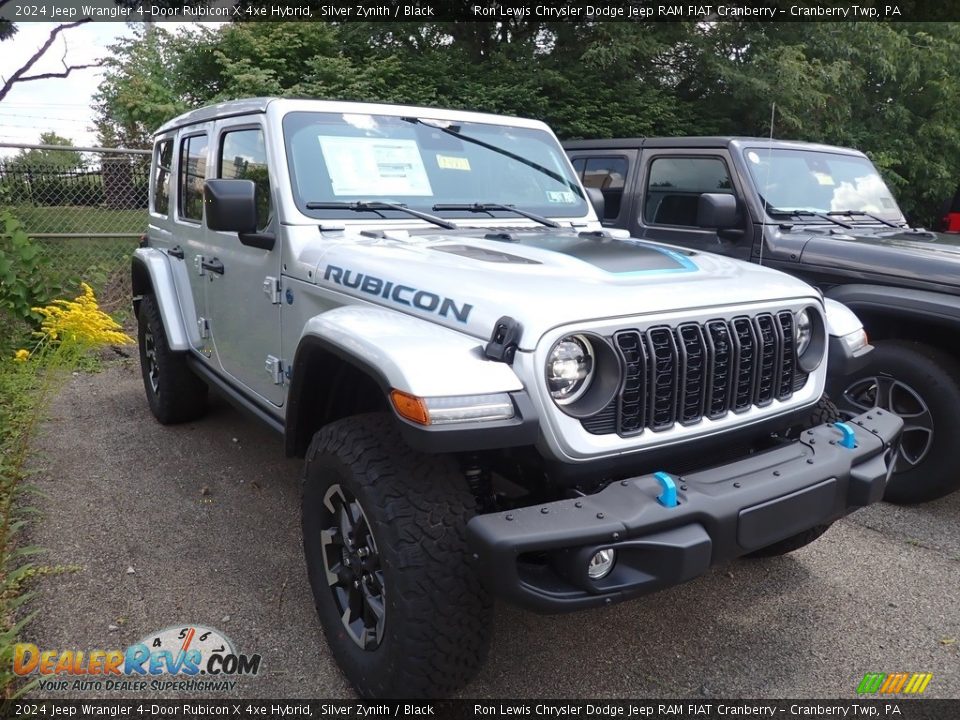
(668, 498)
(849, 439)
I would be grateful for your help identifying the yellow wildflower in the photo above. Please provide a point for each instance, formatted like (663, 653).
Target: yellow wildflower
(80, 322)
(21, 355)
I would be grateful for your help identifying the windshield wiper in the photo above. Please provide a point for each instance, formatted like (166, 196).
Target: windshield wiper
(513, 156)
(487, 207)
(808, 213)
(864, 213)
(378, 205)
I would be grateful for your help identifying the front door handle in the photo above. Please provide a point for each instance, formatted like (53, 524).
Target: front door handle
(213, 265)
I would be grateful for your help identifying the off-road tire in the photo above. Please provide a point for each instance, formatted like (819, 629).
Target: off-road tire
(935, 377)
(174, 392)
(437, 612)
(825, 411)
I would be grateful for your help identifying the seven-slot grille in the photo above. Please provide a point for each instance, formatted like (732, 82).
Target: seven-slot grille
(685, 373)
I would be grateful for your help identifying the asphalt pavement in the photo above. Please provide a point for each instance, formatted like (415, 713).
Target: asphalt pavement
(150, 527)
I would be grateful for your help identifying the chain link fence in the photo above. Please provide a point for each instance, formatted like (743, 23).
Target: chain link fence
(85, 209)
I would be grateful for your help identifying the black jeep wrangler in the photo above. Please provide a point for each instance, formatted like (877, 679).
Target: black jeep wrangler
(825, 214)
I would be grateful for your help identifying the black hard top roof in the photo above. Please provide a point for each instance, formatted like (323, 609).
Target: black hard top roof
(699, 142)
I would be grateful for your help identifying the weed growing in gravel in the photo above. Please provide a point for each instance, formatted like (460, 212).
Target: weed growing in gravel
(69, 330)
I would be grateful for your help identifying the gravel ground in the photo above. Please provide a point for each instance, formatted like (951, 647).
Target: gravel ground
(206, 517)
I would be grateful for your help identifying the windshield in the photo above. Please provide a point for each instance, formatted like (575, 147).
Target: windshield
(344, 158)
(819, 182)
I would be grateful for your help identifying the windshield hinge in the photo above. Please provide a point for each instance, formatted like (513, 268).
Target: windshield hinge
(504, 340)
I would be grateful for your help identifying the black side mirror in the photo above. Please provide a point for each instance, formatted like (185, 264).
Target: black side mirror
(231, 206)
(595, 196)
(717, 210)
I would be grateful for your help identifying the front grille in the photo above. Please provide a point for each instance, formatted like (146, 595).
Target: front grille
(685, 373)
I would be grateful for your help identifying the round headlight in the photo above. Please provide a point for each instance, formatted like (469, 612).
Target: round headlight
(569, 368)
(802, 331)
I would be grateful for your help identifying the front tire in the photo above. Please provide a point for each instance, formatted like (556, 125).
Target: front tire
(174, 393)
(384, 533)
(921, 384)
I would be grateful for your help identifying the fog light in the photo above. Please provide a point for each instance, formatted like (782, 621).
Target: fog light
(601, 563)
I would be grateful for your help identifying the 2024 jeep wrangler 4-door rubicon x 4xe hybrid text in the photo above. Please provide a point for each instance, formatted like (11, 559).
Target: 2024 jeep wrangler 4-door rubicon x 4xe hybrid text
(822, 213)
(493, 395)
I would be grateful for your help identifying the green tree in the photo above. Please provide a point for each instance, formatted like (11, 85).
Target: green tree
(889, 89)
(46, 158)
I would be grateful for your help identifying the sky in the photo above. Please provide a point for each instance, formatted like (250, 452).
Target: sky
(62, 105)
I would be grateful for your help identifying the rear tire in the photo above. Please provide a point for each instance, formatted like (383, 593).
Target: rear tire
(921, 384)
(384, 533)
(174, 393)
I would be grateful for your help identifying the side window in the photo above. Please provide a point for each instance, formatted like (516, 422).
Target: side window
(674, 187)
(163, 159)
(607, 174)
(578, 165)
(193, 169)
(243, 156)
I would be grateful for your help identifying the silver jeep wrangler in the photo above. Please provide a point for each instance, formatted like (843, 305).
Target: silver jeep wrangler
(494, 395)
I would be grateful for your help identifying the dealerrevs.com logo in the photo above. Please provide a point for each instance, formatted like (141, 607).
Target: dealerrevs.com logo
(188, 658)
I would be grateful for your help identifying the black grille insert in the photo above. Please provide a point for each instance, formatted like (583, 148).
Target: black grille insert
(685, 373)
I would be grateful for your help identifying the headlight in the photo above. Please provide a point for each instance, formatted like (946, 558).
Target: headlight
(803, 331)
(810, 336)
(570, 368)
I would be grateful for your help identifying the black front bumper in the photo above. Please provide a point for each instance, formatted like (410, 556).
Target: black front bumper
(537, 556)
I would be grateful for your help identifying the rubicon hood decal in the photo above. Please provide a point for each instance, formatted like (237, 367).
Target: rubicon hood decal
(398, 293)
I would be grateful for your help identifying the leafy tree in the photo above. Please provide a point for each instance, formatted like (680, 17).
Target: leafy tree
(889, 89)
(37, 158)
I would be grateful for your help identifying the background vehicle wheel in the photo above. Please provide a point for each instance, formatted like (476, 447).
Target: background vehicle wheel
(825, 411)
(921, 384)
(403, 610)
(175, 394)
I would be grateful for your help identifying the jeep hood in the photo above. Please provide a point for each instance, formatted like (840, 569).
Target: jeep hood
(918, 255)
(468, 279)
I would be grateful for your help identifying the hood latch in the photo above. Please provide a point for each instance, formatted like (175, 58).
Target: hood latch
(503, 340)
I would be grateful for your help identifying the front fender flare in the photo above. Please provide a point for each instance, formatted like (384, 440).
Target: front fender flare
(901, 302)
(411, 354)
(151, 273)
(401, 352)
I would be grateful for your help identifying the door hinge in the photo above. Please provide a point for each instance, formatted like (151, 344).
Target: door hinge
(274, 366)
(271, 288)
(198, 264)
(204, 327)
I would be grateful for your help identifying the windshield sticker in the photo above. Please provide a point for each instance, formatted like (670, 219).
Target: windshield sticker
(374, 166)
(561, 196)
(753, 157)
(823, 178)
(453, 162)
(888, 203)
